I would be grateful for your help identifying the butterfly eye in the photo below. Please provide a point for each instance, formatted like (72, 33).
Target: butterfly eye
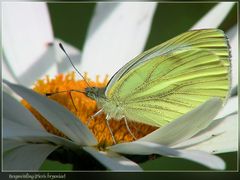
(91, 92)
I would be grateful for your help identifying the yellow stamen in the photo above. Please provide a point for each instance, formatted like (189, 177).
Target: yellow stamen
(85, 108)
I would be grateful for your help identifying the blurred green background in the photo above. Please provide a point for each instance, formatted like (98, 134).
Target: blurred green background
(70, 20)
(70, 23)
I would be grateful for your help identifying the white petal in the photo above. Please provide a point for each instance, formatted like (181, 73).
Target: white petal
(62, 61)
(232, 34)
(12, 130)
(230, 107)
(215, 16)
(18, 132)
(26, 36)
(14, 111)
(117, 33)
(113, 161)
(147, 148)
(187, 125)
(57, 115)
(27, 157)
(9, 144)
(221, 136)
(7, 72)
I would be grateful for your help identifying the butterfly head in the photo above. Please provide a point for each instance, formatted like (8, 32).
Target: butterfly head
(94, 92)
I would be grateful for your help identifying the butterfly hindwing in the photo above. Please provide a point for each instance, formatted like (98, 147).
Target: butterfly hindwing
(165, 87)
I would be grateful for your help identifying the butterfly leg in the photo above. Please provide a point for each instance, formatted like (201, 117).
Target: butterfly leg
(125, 119)
(70, 93)
(135, 128)
(93, 116)
(107, 121)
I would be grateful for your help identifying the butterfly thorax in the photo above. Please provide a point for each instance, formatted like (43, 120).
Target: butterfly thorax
(111, 107)
(95, 93)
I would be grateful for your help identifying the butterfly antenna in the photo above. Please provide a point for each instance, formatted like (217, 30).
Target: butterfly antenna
(61, 46)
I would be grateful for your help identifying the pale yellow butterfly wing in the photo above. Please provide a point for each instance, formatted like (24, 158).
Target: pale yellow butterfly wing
(161, 89)
(208, 39)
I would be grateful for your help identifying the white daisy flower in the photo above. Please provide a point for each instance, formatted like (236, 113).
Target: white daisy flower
(29, 138)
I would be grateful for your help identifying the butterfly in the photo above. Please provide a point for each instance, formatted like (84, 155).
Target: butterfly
(168, 80)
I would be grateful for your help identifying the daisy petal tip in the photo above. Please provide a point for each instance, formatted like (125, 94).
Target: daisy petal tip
(215, 16)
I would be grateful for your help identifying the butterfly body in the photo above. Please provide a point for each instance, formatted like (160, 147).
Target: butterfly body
(168, 80)
(113, 109)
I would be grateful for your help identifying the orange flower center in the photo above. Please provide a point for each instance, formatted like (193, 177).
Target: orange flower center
(84, 107)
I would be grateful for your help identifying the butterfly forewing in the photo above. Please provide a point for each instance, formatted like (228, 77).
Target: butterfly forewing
(213, 40)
